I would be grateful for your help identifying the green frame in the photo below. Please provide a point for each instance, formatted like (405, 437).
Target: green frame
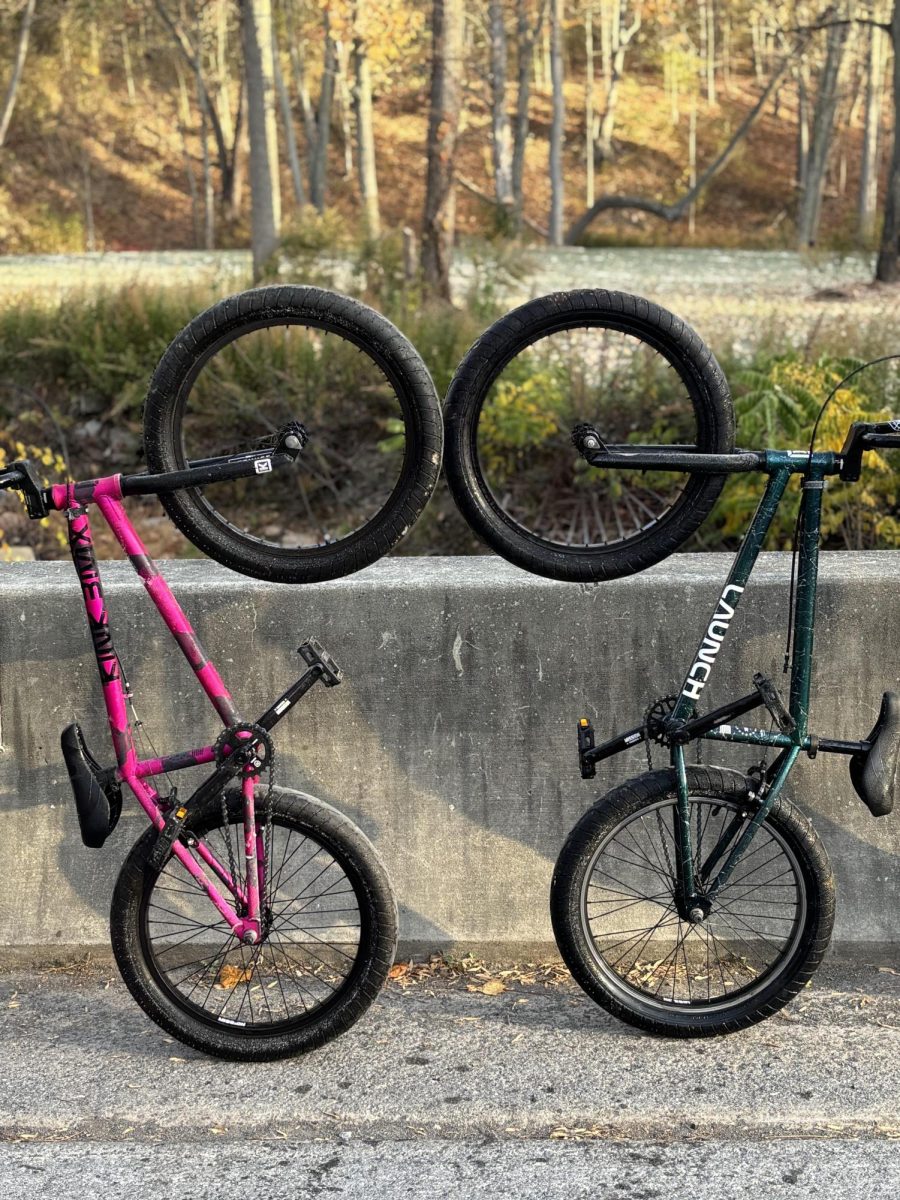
(684, 726)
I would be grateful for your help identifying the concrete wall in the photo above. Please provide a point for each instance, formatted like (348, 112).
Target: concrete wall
(451, 741)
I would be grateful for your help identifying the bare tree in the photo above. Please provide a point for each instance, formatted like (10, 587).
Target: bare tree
(501, 139)
(448, 22)
(557, 125)
(616, 38)
(265, 189)
(528, 29)
(888, 268)
(12, 91)
(680, 208)
(188, 39)
(822, 133)
(318, 154)
(287, 122)
(876, 60)
(365, 133)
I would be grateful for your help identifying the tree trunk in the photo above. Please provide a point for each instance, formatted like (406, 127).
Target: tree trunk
(525, 40)
(193, 58)
(184, 121)
(223, 79)
(888, 268)
(240, 152)
(557, 125)
(365, 138)
(15, 79)
(619, 41)
(209, 205)
(677, 210)
(265, 190)
(802, 123)
(589, 104)
(448, 22)
(298, 67)
(127, 65)
(344, 106)
(501, 139)
(318, 157)
(822, 131)
(871, 153)
(287, 121)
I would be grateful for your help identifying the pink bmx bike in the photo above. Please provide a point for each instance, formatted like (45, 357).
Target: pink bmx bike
(251, 921)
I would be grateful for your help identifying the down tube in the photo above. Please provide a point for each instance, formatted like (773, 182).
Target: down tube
(701, 669)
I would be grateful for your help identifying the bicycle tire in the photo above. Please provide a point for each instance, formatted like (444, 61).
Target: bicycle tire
(193, 510)
(167, 1004)
(649, 325)
(630, 1000)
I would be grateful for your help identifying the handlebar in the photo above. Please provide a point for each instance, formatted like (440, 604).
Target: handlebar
(21, 475)
(866, 435)
(862, 436)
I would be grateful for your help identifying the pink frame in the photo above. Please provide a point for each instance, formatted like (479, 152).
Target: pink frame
(72, 499)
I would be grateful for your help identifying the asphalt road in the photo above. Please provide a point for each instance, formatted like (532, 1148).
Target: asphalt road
(442, 1091)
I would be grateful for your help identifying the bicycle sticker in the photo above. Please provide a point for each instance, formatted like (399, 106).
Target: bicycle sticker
(262, 465)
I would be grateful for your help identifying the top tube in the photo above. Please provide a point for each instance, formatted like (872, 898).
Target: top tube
(666, 458)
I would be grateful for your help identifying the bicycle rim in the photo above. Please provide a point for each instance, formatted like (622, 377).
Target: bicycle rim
(623, 384)
(645, 951)
(256, 379)
(316, 928)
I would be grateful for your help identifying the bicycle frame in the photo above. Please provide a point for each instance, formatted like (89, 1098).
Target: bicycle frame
(682, 725)
(243, 910)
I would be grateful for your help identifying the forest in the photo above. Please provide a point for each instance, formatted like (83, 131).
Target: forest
(434, 160)
(129, 124)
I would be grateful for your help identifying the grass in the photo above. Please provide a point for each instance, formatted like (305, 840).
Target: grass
(87, 358)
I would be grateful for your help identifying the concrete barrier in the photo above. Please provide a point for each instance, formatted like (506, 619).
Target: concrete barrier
(451, 741)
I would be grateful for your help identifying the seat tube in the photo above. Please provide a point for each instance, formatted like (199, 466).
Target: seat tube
(81, 544)
(805, 602)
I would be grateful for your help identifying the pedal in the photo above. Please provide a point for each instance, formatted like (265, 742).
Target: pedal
(167, 837)
(585, 743)
(98, 794)
(774, 703)
(317, 656)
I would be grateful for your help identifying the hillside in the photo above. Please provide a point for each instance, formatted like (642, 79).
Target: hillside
(122, 163)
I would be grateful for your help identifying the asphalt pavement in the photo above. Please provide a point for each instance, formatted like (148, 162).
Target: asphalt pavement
(443, 1090)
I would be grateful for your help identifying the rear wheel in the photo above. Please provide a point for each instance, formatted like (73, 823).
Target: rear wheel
(329, 940)
(631, 369)
(618, 923)
(250, 365)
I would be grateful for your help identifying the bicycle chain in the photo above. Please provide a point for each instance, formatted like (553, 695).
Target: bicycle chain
(257, 736)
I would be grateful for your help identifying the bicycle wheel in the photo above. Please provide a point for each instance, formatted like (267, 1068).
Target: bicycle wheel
(241, 371)
(626, 366)
(618, 925)
(327, 948)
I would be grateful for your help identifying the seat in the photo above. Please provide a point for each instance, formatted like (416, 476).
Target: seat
(98, 796)
(874, 771)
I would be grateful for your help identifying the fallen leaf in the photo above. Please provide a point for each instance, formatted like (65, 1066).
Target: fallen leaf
(230, 976)
(493, 987)
(398, 970)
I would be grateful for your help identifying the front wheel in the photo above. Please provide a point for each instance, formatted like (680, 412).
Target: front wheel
(256, 362)
(632, 370)
(331, 932)
(621, 931)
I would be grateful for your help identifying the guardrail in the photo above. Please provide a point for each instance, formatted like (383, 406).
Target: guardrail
(452, 739)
